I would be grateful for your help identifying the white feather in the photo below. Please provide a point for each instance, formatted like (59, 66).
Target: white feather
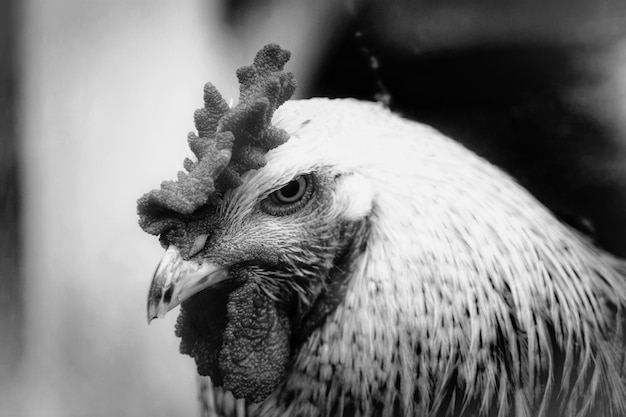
(457, 253)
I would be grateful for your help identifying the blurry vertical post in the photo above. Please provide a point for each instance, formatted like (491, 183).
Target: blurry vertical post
(10, 286)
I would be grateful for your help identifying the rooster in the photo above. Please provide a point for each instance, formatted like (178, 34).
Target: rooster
(331, 258)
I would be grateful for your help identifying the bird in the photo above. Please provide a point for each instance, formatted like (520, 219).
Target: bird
(332, 258)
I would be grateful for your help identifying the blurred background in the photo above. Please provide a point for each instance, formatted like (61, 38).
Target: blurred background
(96, 99)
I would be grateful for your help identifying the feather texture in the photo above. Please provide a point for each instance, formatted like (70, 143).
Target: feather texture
(469, 297)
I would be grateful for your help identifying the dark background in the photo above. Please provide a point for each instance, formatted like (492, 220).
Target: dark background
(528, 102)
(10, 290)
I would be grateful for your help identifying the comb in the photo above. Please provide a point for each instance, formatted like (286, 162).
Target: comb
(228, 142)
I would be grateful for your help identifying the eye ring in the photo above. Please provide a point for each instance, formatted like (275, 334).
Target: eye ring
(289, 198)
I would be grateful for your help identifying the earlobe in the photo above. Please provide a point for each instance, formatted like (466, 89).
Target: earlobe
(353, 196)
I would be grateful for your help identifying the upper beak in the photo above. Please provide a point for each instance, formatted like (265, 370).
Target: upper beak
(176, 279)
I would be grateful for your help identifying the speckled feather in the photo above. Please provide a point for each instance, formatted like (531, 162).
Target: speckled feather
(470, 298)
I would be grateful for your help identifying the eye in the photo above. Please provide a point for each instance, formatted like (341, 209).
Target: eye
(291, 192)
(290, 198)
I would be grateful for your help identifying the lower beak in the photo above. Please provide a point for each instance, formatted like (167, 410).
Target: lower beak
(176, 279)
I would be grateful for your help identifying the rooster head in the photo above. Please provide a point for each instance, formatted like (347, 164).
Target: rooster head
(258, 244)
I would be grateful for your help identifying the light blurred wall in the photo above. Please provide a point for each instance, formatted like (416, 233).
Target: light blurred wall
(108, 88)
(108, 93)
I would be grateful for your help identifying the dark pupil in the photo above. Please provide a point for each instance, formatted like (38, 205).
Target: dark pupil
(291, 189)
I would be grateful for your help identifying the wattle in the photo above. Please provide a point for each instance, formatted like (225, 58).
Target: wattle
(238, 337)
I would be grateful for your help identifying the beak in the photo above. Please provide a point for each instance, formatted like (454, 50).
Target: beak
(176, 279)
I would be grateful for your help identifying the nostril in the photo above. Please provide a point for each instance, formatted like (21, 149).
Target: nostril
(167, 296)
(198, 244)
